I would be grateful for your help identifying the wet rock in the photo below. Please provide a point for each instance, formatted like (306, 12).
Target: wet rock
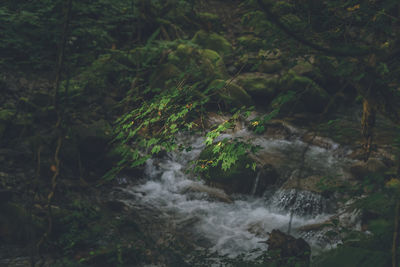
(260, 86)
(239, 178)
(373, 166)
(319, 141)
(312, 183)
(258, 229)
(309, 97)
(213, 41)
(231, 94)
(211, 193)
(285, 246)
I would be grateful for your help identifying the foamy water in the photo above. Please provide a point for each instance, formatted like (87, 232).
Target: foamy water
(242, 225)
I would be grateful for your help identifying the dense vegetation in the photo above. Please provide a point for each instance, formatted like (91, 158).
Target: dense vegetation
(92, 89)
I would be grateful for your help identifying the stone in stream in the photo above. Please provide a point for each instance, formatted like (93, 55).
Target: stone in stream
(285, 247)
(239, 178)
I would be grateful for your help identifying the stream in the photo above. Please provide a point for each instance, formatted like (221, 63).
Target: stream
(238, 224)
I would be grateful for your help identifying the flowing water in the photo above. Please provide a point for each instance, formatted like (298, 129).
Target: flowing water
(237, 224)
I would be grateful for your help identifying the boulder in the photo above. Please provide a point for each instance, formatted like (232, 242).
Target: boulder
(209, 20)
(311, 184)
(309, 96)
(239, 178)
(251, 42)
(260, 86)
(211, 193)
(213, 41)
(231, 94)
(201, 62)
(165, 76)
(303, 68)
(373, 166)
(285, 247)
(270, 61)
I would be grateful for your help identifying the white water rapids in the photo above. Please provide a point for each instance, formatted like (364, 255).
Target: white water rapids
(242, 225)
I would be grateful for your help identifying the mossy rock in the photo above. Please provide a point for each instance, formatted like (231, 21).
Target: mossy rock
(6, 114)
(256, 20)
(251, 42)
(198, 63)
(237, 179)
(270, 61)
(310, 97)
(303, 68)
(213, 41)
(231, 94)
(165, 76)
(209, 20)
(261, 87)
(240, 178)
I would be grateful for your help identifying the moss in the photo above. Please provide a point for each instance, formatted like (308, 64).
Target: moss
(6, 114)
(164, 76)
(237, 179)
(257, 20)
(213, 41)
(251, 42)
(269, 61)
(282, 8)
(198, 63)
(261, 87)
(216, 62)
(231, 94)
(208, 17)
(310, 96)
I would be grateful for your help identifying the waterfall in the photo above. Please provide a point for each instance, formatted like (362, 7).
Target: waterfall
(236, 224)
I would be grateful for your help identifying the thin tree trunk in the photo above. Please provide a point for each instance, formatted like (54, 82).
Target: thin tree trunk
(395, 235)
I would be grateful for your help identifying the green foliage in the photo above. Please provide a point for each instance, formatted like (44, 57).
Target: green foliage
(259, 124)
(228, 151)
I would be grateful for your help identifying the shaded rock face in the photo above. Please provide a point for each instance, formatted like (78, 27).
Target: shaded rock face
(309, 96)
(260, 86)
(240, 178)
(373, 166)
(286, 246)
(202, 62)
(213, 41)
(270, 61)
(231, 94)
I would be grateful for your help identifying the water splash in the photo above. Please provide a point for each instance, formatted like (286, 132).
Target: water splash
(238, 225)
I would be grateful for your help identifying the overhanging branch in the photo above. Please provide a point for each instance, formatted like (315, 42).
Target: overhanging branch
(339, 52)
